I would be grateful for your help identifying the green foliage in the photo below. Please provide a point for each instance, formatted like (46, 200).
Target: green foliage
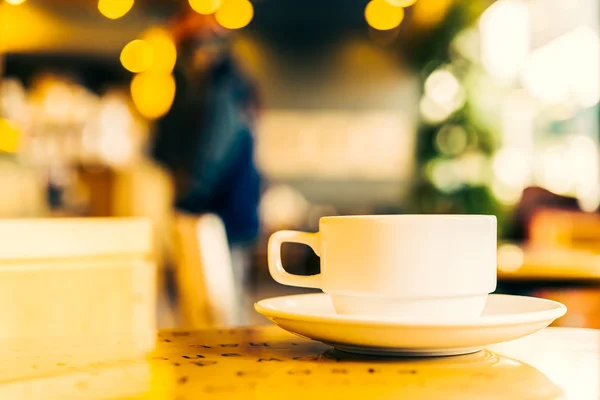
(425, 51)
(423, 47)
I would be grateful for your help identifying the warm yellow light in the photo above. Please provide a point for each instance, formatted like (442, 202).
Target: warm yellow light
(164, 50)
(383, 16)
(153, 93)
(137, 56)
(9, 136)
(27, 29)
(15, 2)
(114, 9)
(205, 7)
(401, 3)
(235, 14)
(430, 12)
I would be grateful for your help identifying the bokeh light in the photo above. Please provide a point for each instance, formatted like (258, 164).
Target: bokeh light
(512, 173)
(452, 174)
(164, 50)
(115, 129)
(282, 206)
(553, 169)
(589, 201)
(153, 93)
(205, 7)
(9, 136)
(53, 98)
(114, 9)
(442, 86)
(505, 38)
(583, 152)
(15, 2)
(432, 112)
(137, 56)
(565, 69)
(13, 99)
(382, 15)
(443, 96)
(25, 29)
(474, 167)
(510, 257)
(430, 12)
(444, 174)
(235, 14)
(401, 3)
(512, 168)
(505, 194)
(451, 140)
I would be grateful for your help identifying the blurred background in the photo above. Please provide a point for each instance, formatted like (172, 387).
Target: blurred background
(116, 108)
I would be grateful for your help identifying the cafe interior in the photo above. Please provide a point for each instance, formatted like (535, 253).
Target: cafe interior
(316, 108)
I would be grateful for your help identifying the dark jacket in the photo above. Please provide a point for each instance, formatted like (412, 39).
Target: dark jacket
(206, 142)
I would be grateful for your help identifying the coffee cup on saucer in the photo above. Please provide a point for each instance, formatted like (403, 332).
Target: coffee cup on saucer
(396, 266)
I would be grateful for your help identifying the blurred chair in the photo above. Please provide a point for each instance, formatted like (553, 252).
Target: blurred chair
(204, 273)
(144, 189)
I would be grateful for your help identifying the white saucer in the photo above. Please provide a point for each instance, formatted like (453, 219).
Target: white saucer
(505, 318)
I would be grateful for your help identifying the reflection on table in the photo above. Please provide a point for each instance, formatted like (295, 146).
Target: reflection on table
(268, 363)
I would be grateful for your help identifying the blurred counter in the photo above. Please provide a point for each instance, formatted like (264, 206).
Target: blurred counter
(570, 276)
(547, 263)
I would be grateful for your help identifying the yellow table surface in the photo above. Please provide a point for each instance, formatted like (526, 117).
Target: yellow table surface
(268, 363)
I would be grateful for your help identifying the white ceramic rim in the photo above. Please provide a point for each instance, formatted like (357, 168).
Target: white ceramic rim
(557, 311)
(410, 216)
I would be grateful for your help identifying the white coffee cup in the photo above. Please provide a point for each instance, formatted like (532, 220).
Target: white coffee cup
(399, 266)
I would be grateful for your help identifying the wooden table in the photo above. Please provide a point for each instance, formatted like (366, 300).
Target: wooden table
(268, 363)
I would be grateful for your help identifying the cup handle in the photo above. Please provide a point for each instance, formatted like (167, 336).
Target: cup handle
(276, 267)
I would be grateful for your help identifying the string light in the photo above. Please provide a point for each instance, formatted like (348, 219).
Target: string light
(401, 3)
(205, 7)
(164, 50)
(154, 56)
(383, 16)
(137, 56)
(114, 9)
(235, 14)
(153, 93)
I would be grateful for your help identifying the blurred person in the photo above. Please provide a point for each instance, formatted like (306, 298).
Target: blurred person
(206, 140)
